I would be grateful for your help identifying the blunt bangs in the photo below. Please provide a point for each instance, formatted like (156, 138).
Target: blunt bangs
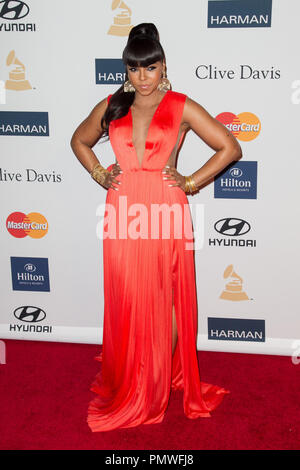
(141, 52)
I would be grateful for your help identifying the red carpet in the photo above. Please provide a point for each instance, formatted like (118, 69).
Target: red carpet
(44, 394)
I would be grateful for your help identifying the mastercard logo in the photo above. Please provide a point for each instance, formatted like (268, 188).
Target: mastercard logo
(244, 126)
(20, 225)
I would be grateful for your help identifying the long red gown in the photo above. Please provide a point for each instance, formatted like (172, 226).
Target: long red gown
(141, 276)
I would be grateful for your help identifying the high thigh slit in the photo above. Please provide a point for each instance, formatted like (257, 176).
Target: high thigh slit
(145, 272)
(174, 324)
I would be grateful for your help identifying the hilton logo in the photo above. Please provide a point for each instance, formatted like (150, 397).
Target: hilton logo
(238, 181)
(30, 274)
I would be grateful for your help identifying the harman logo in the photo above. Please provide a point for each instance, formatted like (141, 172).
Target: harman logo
(237, 181)
(236, 329)
(30, 274)
(239, 13)
(24, 123)
(29, 314)
(232, 227)
(109, 71)
(12, 10)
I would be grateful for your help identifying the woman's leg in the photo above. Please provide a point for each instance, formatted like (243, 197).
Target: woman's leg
(174, 331)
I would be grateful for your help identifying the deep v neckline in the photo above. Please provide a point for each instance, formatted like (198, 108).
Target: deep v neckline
(148, 131)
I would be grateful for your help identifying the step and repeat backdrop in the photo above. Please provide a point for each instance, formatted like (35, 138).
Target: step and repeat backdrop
(240, 60)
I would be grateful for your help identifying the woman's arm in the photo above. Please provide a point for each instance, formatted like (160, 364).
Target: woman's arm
(87, 135)
(84, 138)
(214, 134)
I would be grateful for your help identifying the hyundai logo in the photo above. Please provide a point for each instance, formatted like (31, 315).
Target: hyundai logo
(29, 314)
(232, 227)
(13, 10)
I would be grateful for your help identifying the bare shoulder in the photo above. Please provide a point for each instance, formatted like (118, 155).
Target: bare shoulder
(93, 120)
(90, 130)
(208, 128)
(193, 110)
(100, 108)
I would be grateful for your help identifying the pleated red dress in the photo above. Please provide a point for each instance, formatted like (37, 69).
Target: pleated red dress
(146, 266)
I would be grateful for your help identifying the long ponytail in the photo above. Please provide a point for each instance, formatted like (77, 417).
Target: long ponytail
(143, 48)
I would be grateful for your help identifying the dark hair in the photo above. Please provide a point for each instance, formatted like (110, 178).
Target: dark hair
(142, 49)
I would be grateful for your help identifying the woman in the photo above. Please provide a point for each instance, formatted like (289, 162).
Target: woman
(150, 309)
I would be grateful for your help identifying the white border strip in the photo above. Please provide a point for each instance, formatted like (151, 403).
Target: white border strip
(273, 346)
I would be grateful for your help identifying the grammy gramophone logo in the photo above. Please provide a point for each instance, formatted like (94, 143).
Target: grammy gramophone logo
(17, 80)
(122, 19)
(234, 287)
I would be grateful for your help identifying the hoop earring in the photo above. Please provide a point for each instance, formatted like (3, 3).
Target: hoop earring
(165, 84)
(128, 87)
